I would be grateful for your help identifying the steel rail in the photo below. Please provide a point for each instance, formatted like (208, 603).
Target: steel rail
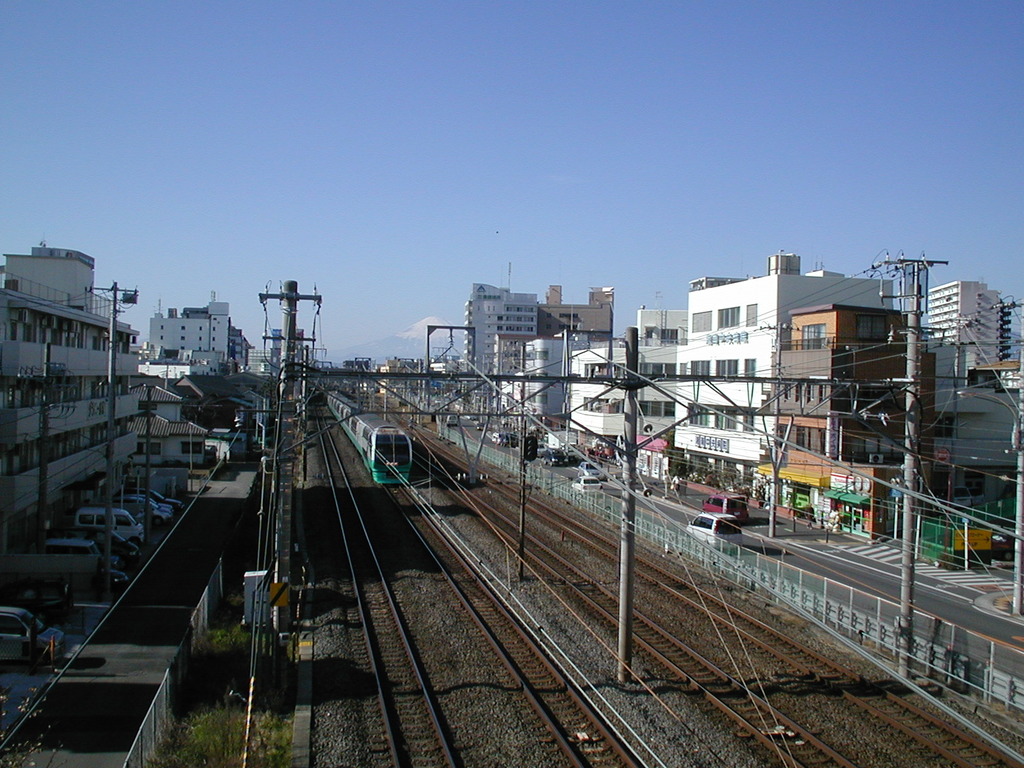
(544, 675)
(823, 669)
(394, 655)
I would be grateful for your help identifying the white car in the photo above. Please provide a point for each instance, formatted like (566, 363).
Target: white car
(714, 527)
(589, 469)
(587, 483)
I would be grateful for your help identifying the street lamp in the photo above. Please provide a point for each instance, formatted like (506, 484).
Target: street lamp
(1018, 447)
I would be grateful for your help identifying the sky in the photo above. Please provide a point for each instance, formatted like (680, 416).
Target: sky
(388, 155)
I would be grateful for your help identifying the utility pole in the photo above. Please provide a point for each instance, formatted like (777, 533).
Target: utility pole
(288, 393)
(627, 529)
(127, 297)
(777, 446)
(1018, 447)
(913, 271)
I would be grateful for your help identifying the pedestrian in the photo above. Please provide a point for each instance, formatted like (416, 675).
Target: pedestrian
(674, 484)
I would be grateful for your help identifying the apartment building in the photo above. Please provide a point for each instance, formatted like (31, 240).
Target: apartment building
(54, 357)
(503, 322)
(197, 340)
(737, 328)
(844, 442)
(966, 313)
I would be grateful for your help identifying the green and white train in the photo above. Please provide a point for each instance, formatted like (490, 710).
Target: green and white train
(385, 448)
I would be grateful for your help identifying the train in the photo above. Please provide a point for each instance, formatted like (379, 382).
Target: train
(385, 448)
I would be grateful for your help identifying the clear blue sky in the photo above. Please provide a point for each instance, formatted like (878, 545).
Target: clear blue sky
(392, 154)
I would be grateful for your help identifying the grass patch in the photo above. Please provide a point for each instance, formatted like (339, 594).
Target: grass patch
(213, 733)
(214, 738)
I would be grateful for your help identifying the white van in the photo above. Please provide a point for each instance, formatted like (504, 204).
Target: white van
(95, 518)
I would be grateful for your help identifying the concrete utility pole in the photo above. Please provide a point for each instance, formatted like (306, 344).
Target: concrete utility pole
(627, 531)
(1018, 528)
(128, 297)
(1018, 447)
(913, 291)
(288, 393)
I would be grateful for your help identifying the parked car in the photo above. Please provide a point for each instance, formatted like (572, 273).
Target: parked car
(128, 551)
(136, 504)
(75, 546)
(23, 636)
(95, 518)
(587, 483)
(555, 457)
(43, 596)
(175, 505)
(727, 504)
(714, 527)
(590, 469)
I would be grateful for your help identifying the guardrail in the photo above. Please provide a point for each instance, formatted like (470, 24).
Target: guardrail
(945, 653)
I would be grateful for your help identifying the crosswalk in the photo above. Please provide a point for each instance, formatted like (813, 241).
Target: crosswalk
(978, 578)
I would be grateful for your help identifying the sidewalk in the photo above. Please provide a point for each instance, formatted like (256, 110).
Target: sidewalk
(994, 585)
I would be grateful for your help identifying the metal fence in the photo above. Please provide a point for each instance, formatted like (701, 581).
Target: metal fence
(162, 709)
(947, 654)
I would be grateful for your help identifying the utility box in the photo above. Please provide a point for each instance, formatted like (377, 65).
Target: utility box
(255, 595)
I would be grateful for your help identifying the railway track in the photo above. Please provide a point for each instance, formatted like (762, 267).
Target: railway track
(411, 721)
(423, 715)
(766, 683)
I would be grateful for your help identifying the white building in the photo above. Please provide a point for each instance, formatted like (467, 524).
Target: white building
(54, 358)
(199, 339)
(597, 410)
(735, 326)
(502, 322)
(964, 313)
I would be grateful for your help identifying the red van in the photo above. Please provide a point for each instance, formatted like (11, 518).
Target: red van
(728, 504)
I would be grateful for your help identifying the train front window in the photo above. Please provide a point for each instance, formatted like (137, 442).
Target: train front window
(392, 452)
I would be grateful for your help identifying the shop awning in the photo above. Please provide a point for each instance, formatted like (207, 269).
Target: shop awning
(847, 498)
(807, 475)
(855, 498)
(655, 444)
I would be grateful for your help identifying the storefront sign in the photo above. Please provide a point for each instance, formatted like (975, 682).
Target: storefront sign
(707, 443)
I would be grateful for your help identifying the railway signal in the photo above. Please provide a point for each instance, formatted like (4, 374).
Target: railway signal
(530, 447)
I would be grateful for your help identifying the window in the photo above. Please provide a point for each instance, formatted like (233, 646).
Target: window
(727, 367)
(871, 327)
(700, 416)
(814, 336)
(729, 318)
(651, 408)
(701, 321)
(657, 369)
(750, 366)
(751, 315)
(700, 368)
